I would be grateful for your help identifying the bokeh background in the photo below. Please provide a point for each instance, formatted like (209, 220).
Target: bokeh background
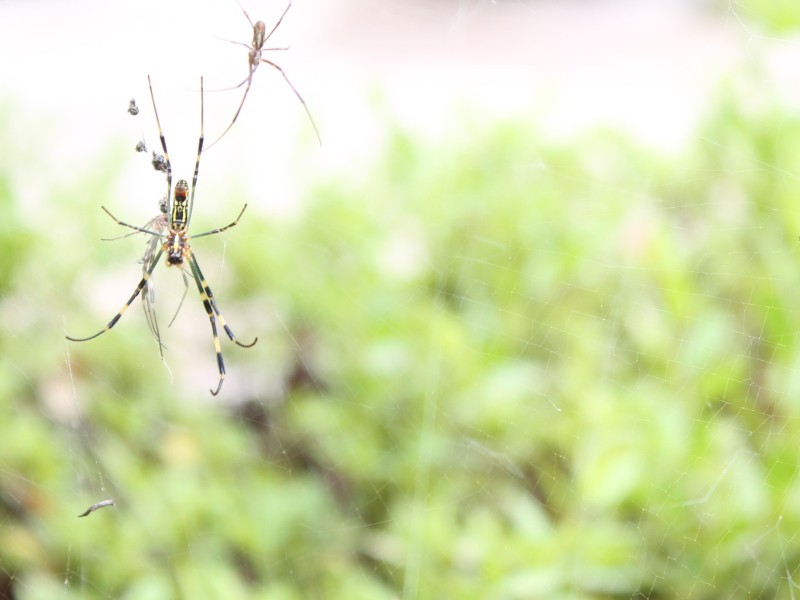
(528, 317)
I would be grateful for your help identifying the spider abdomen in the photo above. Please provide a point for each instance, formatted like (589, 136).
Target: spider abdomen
(177, 248)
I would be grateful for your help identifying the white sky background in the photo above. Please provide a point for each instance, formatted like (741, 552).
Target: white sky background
(644, 66)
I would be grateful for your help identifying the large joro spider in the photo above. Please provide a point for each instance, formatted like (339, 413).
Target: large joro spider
(176, 246)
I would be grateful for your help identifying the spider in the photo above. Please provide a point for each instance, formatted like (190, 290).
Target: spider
(260, 37)
(176, 246)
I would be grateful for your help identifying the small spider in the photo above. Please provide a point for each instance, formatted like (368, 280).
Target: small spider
(132, 108)
(254, 58)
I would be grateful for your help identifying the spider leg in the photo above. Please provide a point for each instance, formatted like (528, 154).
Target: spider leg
(206, 292)
(249, 81)
(148, 292)
(299, 97)
(118, 316)
(245, 14)
(152, 322)
(288, 6)
(149, 295)
(232, 42)
(120, 237)
(139, 229)
(221, 229)
(238, 85)
(211, 310)
(199, 152)
(159, 222)
(185, 276)
(163, 141)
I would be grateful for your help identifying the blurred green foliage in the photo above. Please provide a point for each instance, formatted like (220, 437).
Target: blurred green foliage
(506, 367)
(769, 17)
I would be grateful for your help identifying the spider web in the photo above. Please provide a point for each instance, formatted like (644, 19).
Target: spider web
(527, 320)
